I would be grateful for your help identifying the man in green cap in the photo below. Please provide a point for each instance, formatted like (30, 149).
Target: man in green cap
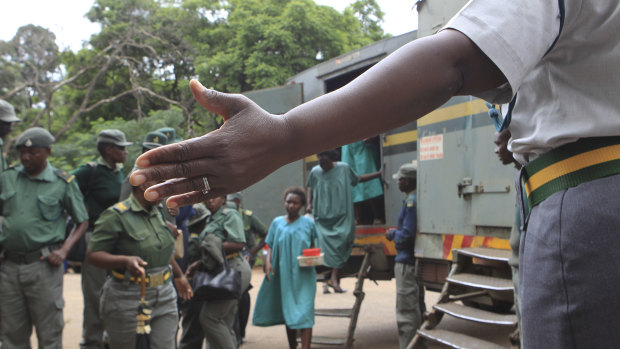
(7, 119)
(35, 198)
(152, 140)
(100, 183)
(409, 294)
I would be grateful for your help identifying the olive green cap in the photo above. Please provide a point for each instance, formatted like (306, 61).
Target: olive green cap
(202, 212)
(7, 112)
(35, 137)
(154, 139)
(113, 136)
(234, 196)
(170, 133)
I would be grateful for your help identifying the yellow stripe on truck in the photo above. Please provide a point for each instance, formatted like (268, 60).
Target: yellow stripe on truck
(456, 111)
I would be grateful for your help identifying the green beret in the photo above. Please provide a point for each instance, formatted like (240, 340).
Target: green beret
(7, 112)
(113, 136)
(154, 139)
(170, 133)
(35, 137)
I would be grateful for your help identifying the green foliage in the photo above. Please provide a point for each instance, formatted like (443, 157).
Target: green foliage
(134, 74)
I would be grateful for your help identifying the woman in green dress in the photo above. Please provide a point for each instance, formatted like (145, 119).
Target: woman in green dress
(287, 293)
(132, 240)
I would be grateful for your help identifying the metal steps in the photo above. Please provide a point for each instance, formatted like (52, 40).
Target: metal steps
(480, 279)
(486, 253)
(478, 315)
(344, 312)
(457, 340)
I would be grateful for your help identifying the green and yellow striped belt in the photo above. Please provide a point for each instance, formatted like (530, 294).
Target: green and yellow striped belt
(568, 166)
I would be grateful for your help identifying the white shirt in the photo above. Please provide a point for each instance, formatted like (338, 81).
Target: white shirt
(574, 91)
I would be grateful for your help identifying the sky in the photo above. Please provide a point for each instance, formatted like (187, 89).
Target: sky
(66, 19)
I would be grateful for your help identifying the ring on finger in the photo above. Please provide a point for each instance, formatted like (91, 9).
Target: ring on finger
(207, 186)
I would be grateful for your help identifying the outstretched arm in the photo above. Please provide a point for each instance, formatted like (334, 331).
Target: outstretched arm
(252, 143)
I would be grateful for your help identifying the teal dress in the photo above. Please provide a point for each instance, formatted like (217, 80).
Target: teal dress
(333, 211)
(363, 159)
(289, 297)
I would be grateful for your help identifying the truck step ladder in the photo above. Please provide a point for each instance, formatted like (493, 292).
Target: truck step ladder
(351, 313)
(478, 289)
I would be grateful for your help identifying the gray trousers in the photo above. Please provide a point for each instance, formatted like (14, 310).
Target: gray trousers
(217, 318)
(408, 312)
(118, 308)
(570, 270)
(192, 335)
(31, 295)
(93, 279)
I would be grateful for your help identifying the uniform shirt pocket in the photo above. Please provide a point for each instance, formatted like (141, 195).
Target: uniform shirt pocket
(8, 202)
(49, 207)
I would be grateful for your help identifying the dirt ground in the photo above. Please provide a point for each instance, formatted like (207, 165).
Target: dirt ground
(376, 327)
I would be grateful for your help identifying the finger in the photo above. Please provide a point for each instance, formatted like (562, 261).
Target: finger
(173, 157)
(192, 198)
(180, 185)
(223, 104)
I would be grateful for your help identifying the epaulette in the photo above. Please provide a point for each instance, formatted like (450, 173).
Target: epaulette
(247, 212)
(64, 175)
(120, 207)
(227, 210)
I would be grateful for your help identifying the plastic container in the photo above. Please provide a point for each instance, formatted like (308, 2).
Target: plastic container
(311, 252)
(310, 261)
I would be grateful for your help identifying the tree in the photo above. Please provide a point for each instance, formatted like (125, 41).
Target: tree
(147, 50)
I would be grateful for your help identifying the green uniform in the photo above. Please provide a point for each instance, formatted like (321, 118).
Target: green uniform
(129, 229)
(252, 226)
(4, 162)
(217, 317)
(101, 186)
(34, 210)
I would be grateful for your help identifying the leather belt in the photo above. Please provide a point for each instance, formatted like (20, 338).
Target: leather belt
(30, 257)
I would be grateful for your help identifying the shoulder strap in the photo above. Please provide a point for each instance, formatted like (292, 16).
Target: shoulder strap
(64, 175)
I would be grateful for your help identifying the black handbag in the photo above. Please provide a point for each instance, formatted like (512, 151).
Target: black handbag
(217, 286)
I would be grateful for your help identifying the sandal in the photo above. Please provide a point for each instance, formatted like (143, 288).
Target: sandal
(336, 288)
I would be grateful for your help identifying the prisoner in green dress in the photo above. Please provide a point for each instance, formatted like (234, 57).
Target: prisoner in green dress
(332, 207)
(286, 296)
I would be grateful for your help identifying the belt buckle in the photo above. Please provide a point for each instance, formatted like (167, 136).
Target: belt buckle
(156, 280)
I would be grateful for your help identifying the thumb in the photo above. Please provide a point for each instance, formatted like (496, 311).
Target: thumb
(224, 104)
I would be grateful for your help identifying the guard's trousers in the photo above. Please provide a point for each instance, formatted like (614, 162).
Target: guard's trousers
(408, 310)
(118, 308)
(569, 268)
(93, 279)
(31, 294)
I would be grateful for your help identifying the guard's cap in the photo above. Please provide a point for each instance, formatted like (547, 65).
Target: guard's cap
(233, 196)
(35, 137)
(408, 170)
(7, 112)
(170, 133)
(113, 136)
(154, 139)
(202, 212)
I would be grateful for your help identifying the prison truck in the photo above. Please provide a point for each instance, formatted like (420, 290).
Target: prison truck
(466, 197)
